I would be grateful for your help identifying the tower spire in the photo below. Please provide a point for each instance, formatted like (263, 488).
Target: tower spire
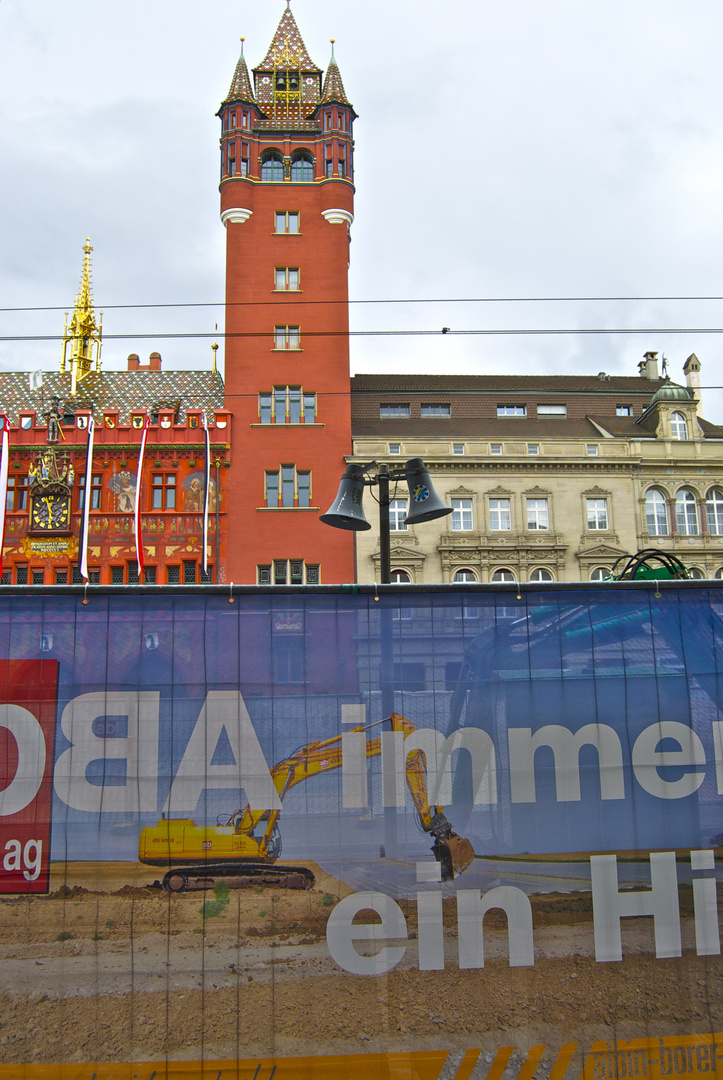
(84, 334)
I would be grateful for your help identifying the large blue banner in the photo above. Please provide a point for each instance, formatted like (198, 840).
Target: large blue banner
(274, 765)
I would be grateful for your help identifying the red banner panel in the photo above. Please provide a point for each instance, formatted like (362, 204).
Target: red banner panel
(28, 696)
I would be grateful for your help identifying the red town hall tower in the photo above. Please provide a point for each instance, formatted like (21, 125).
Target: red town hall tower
(287, 204)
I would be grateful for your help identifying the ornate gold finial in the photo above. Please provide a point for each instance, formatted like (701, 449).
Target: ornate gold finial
(84, 334)
(215, 351)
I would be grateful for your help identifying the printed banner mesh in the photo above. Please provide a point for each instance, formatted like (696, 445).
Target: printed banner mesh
(449, 835)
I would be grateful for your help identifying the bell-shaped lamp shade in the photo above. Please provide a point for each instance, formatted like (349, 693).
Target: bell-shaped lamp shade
(347, 512)
(424, 502)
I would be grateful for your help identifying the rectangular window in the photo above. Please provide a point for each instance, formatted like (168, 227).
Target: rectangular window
(328, 161)
(21, 575)
(458, 448)
(38, 577)
(173, 575)
(244, 166)
(231, 159)
(327, 121)
(287, 221)
(397, 515)
(592, 450)
(537, 514)
(394, 411)
(288, 572)
(409, 676)
(132, 573)
(552, 410)
(17, 494)
(496, 449)
(512, 410)
(244, 119)
(163, 491)
(189, 572)
(395, 449)
(533, 449)
(149, 573)
(61, 577)
(500, 515)
(288, 658)
(96, 487)
(286, 279)
(623, 410)
(461, 515)
(426, 410)
(288, 488)
(116, 575)
(286, 337)
(342, 161)
(287, 405)
(597, 514)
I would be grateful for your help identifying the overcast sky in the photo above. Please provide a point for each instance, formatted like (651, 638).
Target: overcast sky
(517, 149)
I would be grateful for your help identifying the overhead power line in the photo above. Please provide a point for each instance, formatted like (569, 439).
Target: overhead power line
(410, 300)
(444, 331)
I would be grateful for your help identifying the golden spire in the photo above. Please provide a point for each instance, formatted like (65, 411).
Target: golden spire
(83, 334)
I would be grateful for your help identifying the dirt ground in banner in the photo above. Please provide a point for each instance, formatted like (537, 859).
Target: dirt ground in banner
(106, 968)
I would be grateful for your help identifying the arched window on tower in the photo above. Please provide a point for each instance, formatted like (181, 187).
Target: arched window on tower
(686, 513)
(678, 426)
(302, 168)
(272, 167)
(714, 509)
(656, 513)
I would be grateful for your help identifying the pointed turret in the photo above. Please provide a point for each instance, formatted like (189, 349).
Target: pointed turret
(240, 89)
(84, 334)
(287, 81)
(333, 86)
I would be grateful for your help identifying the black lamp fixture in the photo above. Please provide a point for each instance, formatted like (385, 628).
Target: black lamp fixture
(347, 512)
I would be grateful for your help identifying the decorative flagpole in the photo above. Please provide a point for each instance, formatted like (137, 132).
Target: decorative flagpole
(206, 486)
(87, 500)
(5, 453)
(137, 515)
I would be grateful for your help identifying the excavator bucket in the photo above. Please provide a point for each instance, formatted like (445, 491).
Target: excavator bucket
(455, 853)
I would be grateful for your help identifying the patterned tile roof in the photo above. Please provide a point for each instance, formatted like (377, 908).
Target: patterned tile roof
(240, 89)
(122, 390)
(287, 42)
(333, 86)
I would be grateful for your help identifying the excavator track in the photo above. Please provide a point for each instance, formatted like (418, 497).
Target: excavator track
(241, 875)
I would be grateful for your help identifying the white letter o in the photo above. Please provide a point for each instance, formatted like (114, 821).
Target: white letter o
(28, 734)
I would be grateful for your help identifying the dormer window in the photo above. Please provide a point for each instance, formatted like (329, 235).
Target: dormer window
(678, 426)
(272, 167)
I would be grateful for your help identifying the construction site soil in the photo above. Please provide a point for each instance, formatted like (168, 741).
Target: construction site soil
(107, 967)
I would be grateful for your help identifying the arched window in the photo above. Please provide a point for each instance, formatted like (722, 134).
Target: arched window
(272, 167)
(503, 574)
(464, 576)
(714, 511)
(600, 573)
(686, 513)
(695, 573)
(400, 577)
(302, 168)
(719, 573)
(678, 426)
(656, 513)
(541, 573)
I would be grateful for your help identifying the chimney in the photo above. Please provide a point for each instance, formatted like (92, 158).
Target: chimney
(648, 367)
(154, 362)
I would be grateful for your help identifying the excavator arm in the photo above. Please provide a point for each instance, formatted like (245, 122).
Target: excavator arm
(453, 852)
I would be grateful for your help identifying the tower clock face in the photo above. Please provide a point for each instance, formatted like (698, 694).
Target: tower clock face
(50, 513)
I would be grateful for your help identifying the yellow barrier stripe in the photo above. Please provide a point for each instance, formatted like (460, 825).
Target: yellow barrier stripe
(562, 1061)
(467, 1065)
(533, 1059)
(499, 1065)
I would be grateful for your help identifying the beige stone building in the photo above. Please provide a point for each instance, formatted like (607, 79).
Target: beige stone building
(551, 478)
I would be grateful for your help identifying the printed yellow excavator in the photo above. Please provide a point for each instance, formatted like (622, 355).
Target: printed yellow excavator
(243, 850)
